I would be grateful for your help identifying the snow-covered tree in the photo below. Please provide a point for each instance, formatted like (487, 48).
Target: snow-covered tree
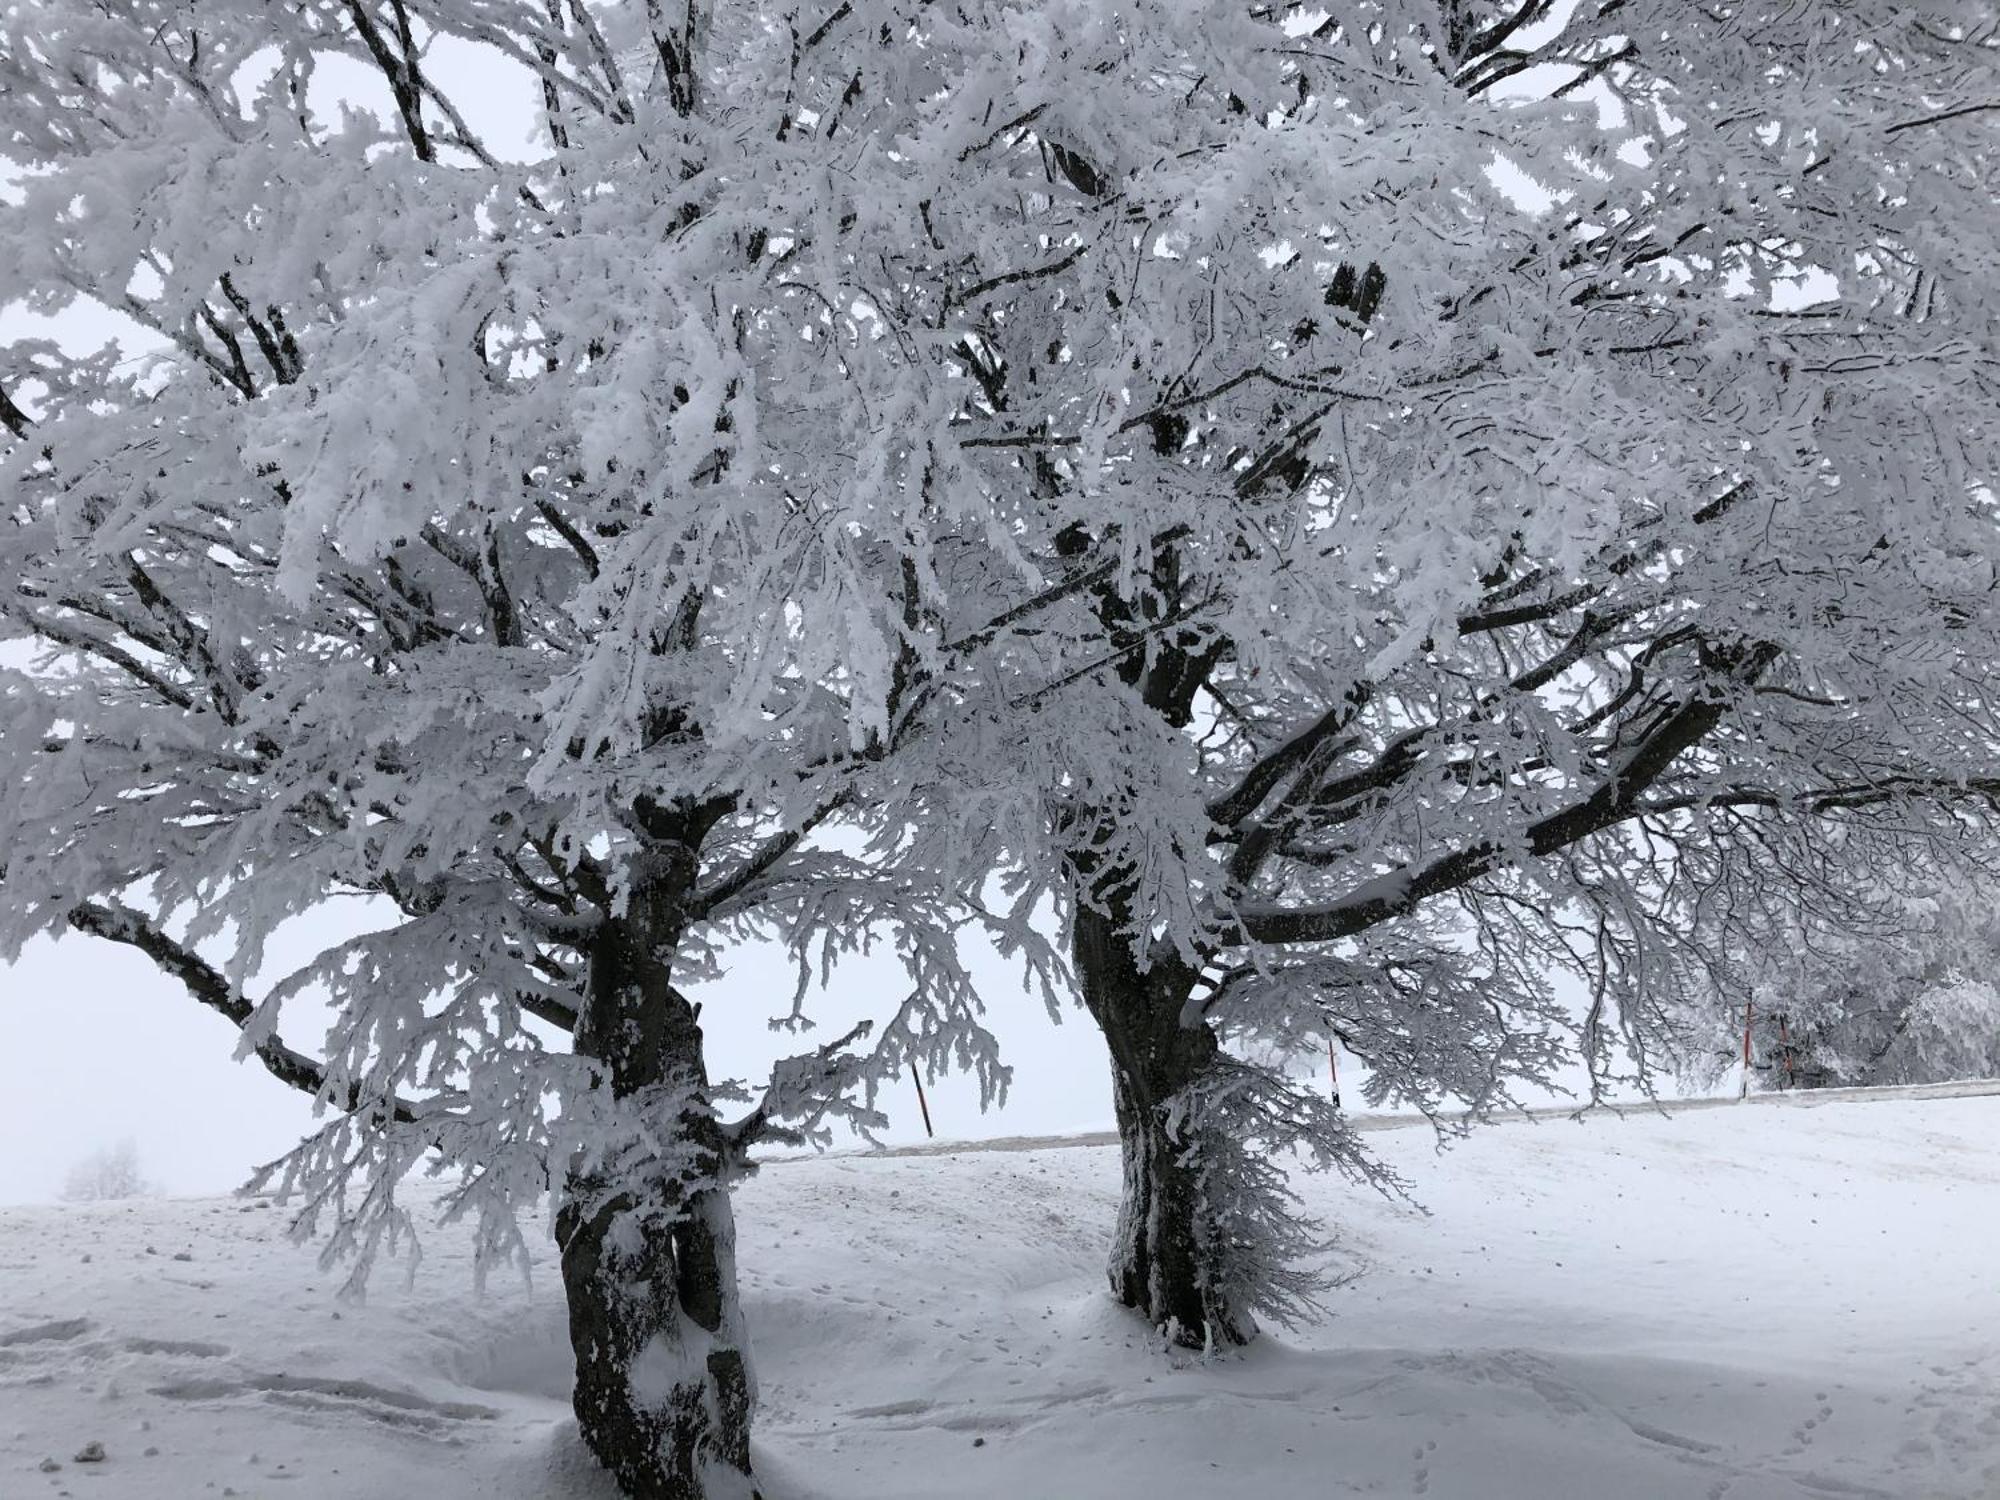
(1499, 537)
(1893, 983)
(524, 547)
(106, 1173)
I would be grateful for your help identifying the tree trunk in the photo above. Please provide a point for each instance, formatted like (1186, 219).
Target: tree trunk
(1165, 1259)
(663, 1383)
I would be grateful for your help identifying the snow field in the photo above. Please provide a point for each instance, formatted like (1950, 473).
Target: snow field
(1749, 1304)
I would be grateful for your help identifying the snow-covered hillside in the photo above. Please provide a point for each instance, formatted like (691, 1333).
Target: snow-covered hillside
(1734, 1304)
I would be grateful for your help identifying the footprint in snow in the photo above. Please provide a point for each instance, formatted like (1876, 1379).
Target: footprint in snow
(61, 1330)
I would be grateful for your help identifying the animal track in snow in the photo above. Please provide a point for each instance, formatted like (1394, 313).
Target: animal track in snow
(1802, 1435)
(1420, 1477)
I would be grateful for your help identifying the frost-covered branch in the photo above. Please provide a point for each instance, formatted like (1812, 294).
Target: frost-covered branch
(208, 985)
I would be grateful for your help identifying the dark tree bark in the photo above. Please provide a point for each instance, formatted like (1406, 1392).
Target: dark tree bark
(1165, 1260)
(663, 1383)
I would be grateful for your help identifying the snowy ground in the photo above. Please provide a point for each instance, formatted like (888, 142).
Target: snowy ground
(1734, 1304)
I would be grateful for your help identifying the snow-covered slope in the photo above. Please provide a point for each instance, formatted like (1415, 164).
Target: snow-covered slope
(1729, 1305)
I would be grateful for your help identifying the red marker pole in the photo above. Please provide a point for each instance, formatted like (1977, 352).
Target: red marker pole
(915, 1078)
(1333, 1072)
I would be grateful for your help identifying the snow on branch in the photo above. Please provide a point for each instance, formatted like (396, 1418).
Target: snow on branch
(206, 983)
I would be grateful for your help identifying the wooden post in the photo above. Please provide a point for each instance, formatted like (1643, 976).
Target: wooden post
(917, 1079)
